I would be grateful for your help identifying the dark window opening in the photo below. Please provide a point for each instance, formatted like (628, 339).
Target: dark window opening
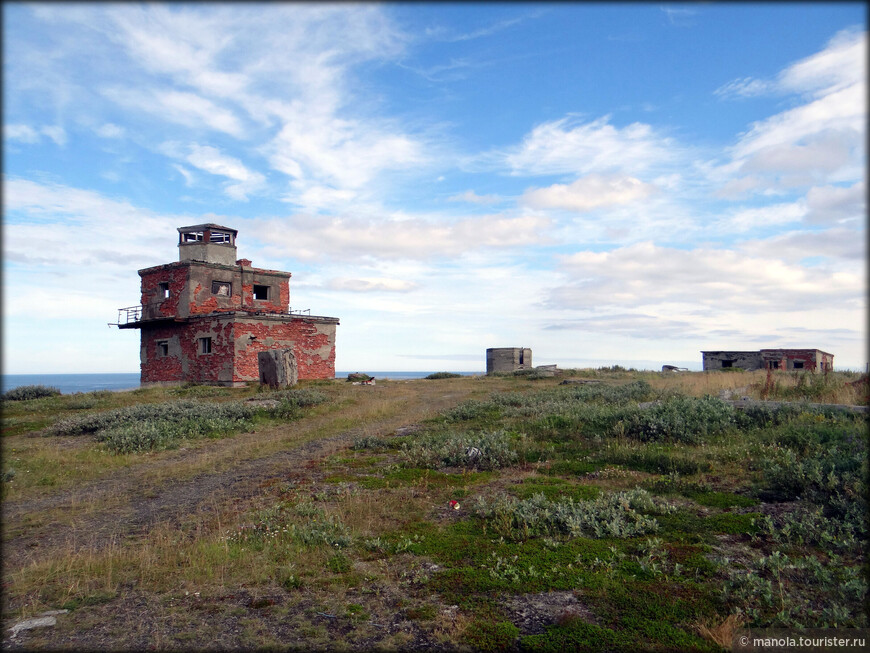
(162, 348)
(164, 289)
(798, 365)
(205, 345)
(774, 365)
(522, 357)
(727, 363)
(221, 288)
(261, 292)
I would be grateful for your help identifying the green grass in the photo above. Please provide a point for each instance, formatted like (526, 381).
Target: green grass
(656, 518)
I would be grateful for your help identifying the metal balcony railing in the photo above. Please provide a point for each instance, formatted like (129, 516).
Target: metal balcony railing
(139, 313)
(129, 314)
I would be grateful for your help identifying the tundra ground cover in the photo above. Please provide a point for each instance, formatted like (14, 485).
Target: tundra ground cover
(621, 515)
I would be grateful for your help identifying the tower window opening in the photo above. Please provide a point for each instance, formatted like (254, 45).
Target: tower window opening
(205, 345)
(192, 237)
(221, 288)
(261, 292)
(164, 289)
(220, 237)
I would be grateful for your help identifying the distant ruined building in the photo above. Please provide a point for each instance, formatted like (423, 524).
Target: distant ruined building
(770, 359)
(508, 359)
(206, 318)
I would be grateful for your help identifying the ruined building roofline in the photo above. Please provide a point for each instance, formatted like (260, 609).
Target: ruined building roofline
(210, 264)
(234, 315)
(784, 350)
(207, 226)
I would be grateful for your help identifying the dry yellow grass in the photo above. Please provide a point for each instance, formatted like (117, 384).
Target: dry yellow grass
(722, 633)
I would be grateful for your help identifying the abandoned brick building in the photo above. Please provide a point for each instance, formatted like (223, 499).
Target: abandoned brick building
(508, 359)
(205, 318)
(815, 360)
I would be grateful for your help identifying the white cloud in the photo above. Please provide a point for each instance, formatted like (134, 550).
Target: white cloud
(474, 198)
(745, 87)
(842, 64)
(823, 138)
(564, 146)
(180, 107)
(309, 237)
(763, 217)
(21, 133)
(715, 280)
(840, 245)
(211, 160)
(837, 204)
(588, 193)
(27, 134)
(188, 176)
(110, 130)
(343, 153)
(55, 133)
(370, 284)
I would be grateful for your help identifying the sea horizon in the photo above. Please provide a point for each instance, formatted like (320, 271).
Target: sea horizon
(91, 382)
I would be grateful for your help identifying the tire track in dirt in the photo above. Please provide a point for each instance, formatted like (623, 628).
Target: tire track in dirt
(135, 508)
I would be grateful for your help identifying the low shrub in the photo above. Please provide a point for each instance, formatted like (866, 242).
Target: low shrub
(654, 461)
(483, 450)
(620, 514)
(25, 392)
(778, 591)
(680, 419)
(443, 375)
(147, 427)
(491, 636)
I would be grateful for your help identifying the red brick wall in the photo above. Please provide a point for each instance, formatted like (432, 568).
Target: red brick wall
(312, 343)
(234, 354)
(151, 293)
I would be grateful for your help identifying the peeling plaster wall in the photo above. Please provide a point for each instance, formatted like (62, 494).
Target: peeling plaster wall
(233, 359)
(311, 339)
(190, 289)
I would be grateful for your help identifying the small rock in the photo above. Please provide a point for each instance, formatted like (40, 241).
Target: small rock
(28, 624)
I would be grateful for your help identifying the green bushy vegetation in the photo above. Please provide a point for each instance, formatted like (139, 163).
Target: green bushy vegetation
(443, 375)
(619, 515)
(650, 510)
(151, 427)
(26, 392)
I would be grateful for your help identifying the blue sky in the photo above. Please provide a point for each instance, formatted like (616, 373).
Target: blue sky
(603, 183)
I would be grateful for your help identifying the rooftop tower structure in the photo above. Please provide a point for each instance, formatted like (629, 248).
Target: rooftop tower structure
(205, 318)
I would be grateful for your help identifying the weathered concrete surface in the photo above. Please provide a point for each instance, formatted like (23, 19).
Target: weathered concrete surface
(278, 368)
(508, 359)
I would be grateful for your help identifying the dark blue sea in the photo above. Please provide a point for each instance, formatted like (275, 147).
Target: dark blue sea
(71, 383)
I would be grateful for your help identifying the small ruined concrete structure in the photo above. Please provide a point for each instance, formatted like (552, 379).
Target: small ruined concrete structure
(770, 359)
(206, 318)
(278, 368)
(508, 359)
